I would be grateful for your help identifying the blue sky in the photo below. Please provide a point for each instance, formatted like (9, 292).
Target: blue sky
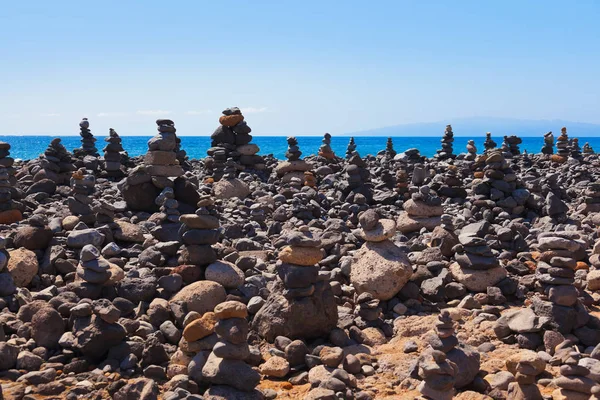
(294, 67)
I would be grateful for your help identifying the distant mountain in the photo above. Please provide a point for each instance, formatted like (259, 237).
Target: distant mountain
(478, 126)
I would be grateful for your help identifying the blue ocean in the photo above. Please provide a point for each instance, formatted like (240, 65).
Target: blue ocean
(29, 147)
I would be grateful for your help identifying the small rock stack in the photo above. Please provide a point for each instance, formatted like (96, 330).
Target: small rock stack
(489, 143)
(548, 147)
(587, 149)
(198, 233)
(447, 140)
(573, 382)
(161, 158)
(168, 206)
(296, 265)
(423, 210)
(591, 199)
(9, 212)
(525, 367)
(95, 269)
(402, 180)
(562, 144)
(226, 364)
(437, 374)
(351, 148)
(471, 151)
(294, 167)
(444, 237)
(575, 149)
(232, 139)
(113, 154)
(325, 150)
(357, 179)
(513, 143)
(7, 283)
(452, 186)
(80, 202)
(555, 272)
(88, 141)
(390, 153)
(56, 165)
(476, 266)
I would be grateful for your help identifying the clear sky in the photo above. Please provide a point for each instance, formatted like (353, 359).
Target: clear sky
(302, 67)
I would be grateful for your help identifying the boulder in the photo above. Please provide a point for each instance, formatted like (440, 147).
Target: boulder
(477, 280)
(23, 266)
(230, 188)
(201, 296)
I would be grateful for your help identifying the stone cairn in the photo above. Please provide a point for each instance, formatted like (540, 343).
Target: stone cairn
(232, 139)
(113, 155)
(5, 277)
(437, 374)
(471, 151)
(525, 367)
(80, 202)
(447, 140)
(587, 149)
(548, 148)
(95, 269)
(357, 179)
(390, 153)
(513, 143)
(161, 158)
(489, 143)
(574, 381)
(294, 167)
(88, 141)
(555, 273)
(423, 210)
(351, 148)
(9, 208)
(56, 165)
(168, 206)
(562, 144)
(591, 199)
(325, 150)
(198, 233)
(452, 184)
(575, 149)
(402, 180)
(226, 363)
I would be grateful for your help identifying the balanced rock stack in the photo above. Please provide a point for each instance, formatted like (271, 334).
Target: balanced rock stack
(306, 307)
(113, 154)
(80, 202)
(168, 206)
(591, 199)
(9, 208)
(379, 267)
(294, 167)
(351, 148)
(575, 381)
(471, 151)
(587, 149)
(446, 151)
(95, 269)
(232, 139)
(437, 375)
(452, 184)
(402, 180)
(423, 210)
(525, 367)
(225, 367)
(88, 141)
(555, 272)
(56, 167)
(575, 149)
(198, 233)
(489, 143)
(229, 186)
(444, 237)
(513, 143)
(390, 153)
(357, 179)
(161, 158)
(325, 150)
(548, 147)
(7, 283)
(562, 145)
(476, 266)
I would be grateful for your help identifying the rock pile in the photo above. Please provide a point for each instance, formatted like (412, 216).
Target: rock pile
(294, 167)
(350, 149)
(423, 210)
(379, 267)
(168, 206)
(161, 158)
(591, 199)
(56, 166)
(562, 145)
(80, 202)
(587, 149)
(9, 207)
(471, 151)
(305, 308)
(113, 155)
(226, 363)
(325, 150)
(525, 367)
(357, 179)
(575, 381)
(437, 373)
(446, 151)
(575, 149)
(489, 143)
(88, 141)
(452, 185)
(548, 147)
(95, 269)
(513, 143)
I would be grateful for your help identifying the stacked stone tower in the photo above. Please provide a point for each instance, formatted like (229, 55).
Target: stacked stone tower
(88, 141)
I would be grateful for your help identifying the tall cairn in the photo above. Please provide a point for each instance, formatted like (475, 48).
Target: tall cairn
(351, 148)
(9, 208)
(161, 158)
(56, 166)
(548, 148)
(525, 366)
(562, 145)
(199, 232)
(471, 151)
(446, 151)
(325, 150)
(80, 202)
(390, 153)
(575, 149)
(489, 143)
(293, 169)
(113, 155)
(88, 141)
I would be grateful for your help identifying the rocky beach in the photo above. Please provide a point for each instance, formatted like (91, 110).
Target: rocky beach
(472, 274)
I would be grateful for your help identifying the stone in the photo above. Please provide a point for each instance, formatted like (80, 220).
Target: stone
(201, 296)
(276, 367)
(307, 256)
(22, 266)
(477, 280)
(226, 274)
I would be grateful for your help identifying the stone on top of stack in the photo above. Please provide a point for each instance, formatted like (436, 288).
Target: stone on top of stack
(9, 208)
(489, 143)
(446, 151)
(161, 158)
(423, 210)
(88, 141)
(113, 155)
(548, 147)
(325, 150)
